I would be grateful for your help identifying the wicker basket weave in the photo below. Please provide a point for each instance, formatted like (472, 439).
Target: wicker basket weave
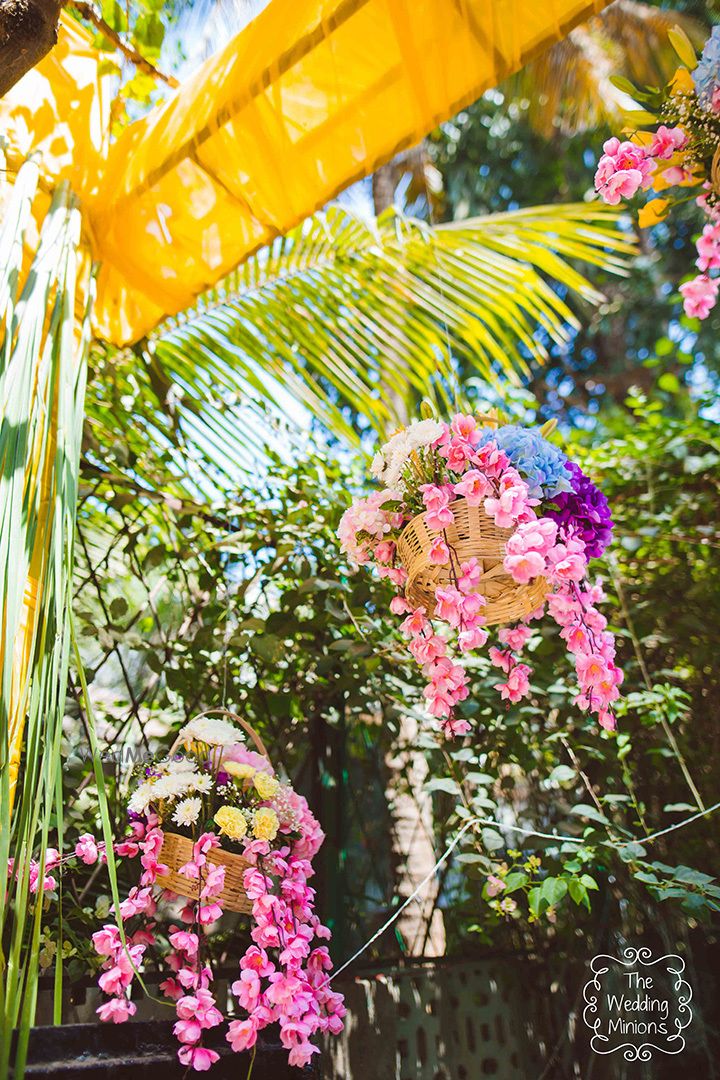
(472, 533)
(715, 172)
(177, 850)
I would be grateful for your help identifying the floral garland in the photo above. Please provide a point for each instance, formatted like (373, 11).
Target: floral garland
(560, 521)
(678, 150)
(218, 793)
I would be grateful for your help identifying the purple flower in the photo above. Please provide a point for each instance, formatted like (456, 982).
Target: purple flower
(586, 510)
(222, 779)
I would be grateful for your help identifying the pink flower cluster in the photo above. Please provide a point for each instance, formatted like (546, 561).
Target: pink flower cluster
(122, 959)
(544, 549)
(623, 170)
(626, 167)
(87, 850)
(283, 974)
(701, 292)
(366, 517)
(468, 464)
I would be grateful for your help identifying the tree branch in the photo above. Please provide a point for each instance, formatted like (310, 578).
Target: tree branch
(89, 13)
(28, 31)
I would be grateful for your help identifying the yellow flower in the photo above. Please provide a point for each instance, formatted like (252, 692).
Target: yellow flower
(232, 822)
(265, 823)
(652, 212)
(239, 771)
(266, 786)
(682, 82)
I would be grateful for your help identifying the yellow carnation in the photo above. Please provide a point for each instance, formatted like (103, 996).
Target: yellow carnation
(266, 786)
(231, 822)
(239, 771)
(265, 823)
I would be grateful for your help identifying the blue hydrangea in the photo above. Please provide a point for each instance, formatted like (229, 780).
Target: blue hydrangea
(706, 75)
(540, 463)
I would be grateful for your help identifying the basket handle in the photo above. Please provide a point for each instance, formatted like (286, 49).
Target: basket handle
(260, 745)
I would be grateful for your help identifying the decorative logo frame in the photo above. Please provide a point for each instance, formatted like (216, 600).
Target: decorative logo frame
(641, 958)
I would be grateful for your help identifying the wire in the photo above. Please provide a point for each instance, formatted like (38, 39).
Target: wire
(511, 828)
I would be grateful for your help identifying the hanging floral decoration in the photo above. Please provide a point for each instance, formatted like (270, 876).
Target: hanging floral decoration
(222, 804)
(480, 524)
(672, 146)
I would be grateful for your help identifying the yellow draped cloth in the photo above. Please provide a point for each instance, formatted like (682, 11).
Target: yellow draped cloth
(311, 96)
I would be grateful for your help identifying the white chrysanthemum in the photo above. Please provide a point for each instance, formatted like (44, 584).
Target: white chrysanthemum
(202, 783)
(179, 765)
(173, 785)
(187, 811)
(212, 730)
(389, 462)
(141, 798)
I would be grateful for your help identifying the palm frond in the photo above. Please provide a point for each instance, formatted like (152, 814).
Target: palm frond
(355, 318)
(42, 385)
(568, 86)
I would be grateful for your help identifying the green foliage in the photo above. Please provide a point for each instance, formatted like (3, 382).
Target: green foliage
(492, 159)
(184, 604)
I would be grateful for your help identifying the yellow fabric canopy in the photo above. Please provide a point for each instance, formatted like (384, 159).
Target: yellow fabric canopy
(311, 96)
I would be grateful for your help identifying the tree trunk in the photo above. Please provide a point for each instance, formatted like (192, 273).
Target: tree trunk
(28, 31)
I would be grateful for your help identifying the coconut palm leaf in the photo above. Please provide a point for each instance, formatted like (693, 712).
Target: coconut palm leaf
(568, 85)
(42, 384)
(351, 318)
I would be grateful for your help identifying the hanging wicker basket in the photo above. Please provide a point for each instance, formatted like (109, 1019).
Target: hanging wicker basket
(715, 171)
(177, 850)
(472, 534)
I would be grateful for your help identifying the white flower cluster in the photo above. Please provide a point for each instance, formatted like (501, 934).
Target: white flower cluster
(212, 730)
(177, 778)
(389, 462)
(282, 805)
(187, 811)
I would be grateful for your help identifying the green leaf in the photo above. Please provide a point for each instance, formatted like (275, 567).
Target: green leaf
(268, 647)
(481, 779)
(118, 607)
(492, 840)
(632, 852)
(514, 881)
(446, 784)
(578, 892)
(624, 85)
(692, 877)
(535, 900)
(586, 811)
(553, 890)
(669, 382)
(562, 774)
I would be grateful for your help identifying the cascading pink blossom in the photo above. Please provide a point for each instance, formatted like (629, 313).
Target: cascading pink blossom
(282, 977)
(538, 546)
